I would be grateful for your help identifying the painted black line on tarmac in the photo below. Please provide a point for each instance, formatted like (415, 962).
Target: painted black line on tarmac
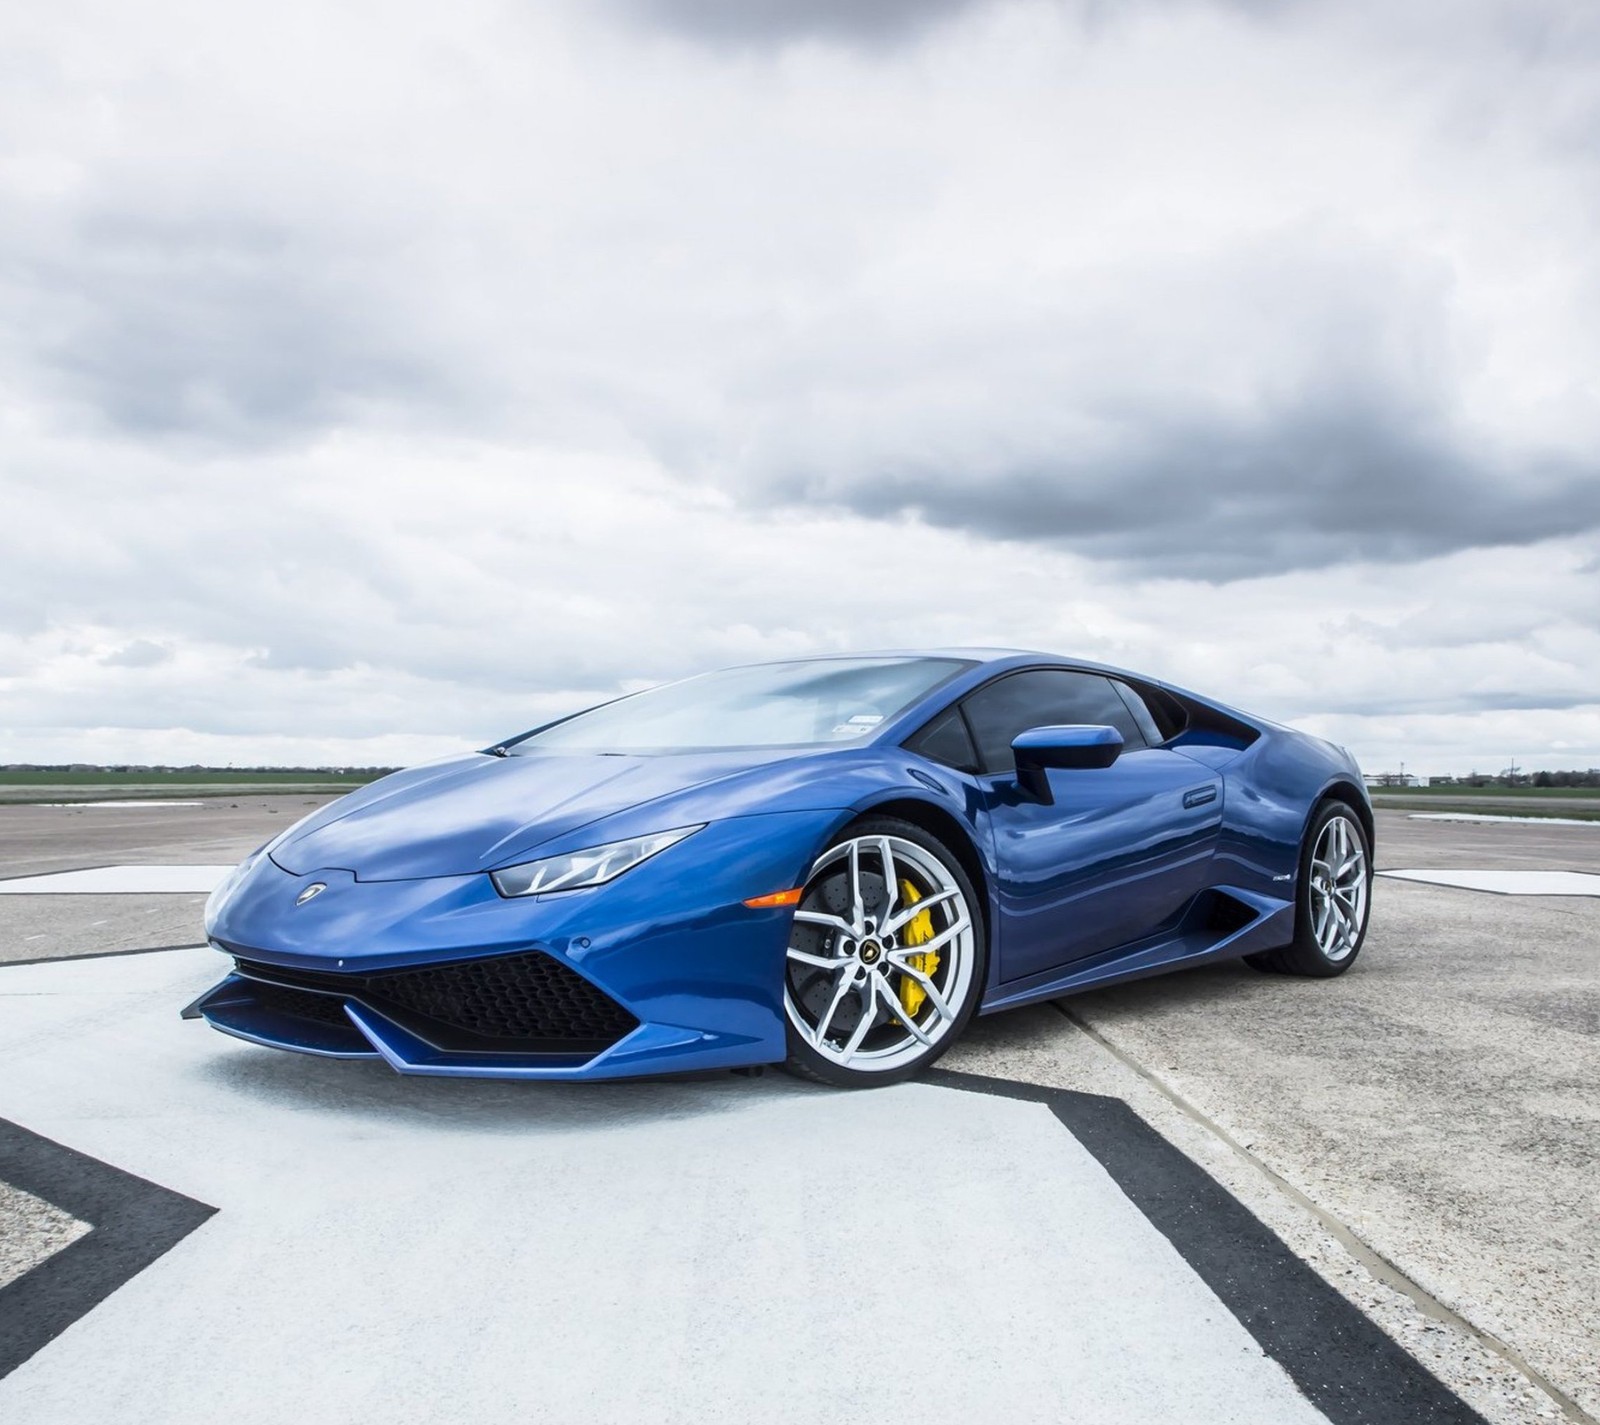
(101, 954)
(132, 1221)
(1343, 1363)
(1379, 1267)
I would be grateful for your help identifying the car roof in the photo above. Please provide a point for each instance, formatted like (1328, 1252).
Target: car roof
(987, 656)
(985, 663)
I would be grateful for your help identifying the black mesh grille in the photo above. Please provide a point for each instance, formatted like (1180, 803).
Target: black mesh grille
(508, 997)
(530, 1002)
(325, 1009)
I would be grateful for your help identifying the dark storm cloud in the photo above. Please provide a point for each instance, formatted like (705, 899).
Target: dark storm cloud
(226, 329)
(1531, 700)
(880, 24)
(1329, 480)
(207, 326)
(756, 22)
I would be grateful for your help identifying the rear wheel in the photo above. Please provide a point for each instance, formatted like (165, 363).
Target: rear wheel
(1335, 896)
(886, 957)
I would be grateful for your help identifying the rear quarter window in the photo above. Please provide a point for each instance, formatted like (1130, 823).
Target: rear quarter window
(1141, 713)
(947, 741)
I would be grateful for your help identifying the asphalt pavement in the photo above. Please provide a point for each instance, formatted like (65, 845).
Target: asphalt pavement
(39, 840)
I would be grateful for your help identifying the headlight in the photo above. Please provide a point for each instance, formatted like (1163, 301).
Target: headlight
(592, 867)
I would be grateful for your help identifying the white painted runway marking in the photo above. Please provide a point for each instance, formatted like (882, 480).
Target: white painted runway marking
(118, 880)
(163, 802)
(1492, 817)
(1509, 883)
(717, 1250)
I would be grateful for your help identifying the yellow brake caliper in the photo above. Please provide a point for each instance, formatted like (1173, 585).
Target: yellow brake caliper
(918, 932)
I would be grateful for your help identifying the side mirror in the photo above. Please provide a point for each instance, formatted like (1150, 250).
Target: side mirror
(1078, 747)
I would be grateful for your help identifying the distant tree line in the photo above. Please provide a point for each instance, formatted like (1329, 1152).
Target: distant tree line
(1511, 777)
(1519, 778)
(1591, 778)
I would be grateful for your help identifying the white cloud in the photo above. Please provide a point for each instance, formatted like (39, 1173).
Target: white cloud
(408, 374)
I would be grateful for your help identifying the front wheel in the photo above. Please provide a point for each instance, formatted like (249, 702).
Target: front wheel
(886, 958)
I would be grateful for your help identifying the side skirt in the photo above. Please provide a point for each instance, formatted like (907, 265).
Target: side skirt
(1223, 924)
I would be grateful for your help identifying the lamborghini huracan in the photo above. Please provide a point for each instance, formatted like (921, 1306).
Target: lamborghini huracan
(828, 863)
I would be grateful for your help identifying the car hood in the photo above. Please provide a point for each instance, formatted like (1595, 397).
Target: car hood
(477, 812)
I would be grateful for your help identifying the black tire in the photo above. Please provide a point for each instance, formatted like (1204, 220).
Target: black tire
(964, 978)
(1306, 954)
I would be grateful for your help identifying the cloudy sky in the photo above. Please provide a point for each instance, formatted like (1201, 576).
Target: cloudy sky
(382, 378)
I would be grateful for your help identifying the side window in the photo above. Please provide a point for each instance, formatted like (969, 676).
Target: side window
(946, 740)
(1038, 698)
(1141, 713)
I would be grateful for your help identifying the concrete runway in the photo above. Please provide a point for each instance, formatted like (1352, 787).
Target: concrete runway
(726, 1250)
(1422, 1131)
(1441, 1101)
(37, 840)
(1510, 846)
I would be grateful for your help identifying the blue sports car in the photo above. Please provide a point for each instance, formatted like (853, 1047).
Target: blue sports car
(830, 863)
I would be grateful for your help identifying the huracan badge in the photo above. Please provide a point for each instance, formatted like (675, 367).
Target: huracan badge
(311, 892)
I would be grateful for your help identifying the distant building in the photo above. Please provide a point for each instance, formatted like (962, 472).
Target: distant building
(1391, 779)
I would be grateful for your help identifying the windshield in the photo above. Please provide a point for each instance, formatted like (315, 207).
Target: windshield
(814, 703)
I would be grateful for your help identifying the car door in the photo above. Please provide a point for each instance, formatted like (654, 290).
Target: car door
(1118, 852)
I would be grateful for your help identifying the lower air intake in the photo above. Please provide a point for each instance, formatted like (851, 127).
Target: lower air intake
(527, 1003)
(509, 997)
(324, 1009)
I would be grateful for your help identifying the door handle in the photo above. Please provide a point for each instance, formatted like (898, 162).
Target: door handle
(1199, 796)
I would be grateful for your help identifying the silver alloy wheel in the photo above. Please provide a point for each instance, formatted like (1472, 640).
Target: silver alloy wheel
(1338, 875)
(850, 959)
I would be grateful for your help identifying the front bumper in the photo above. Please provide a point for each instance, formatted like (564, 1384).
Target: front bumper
(664, 970)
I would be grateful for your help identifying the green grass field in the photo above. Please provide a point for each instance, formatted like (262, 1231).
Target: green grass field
(1577, 803)
(35, 777)
(1532, 793)
(36, 784)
